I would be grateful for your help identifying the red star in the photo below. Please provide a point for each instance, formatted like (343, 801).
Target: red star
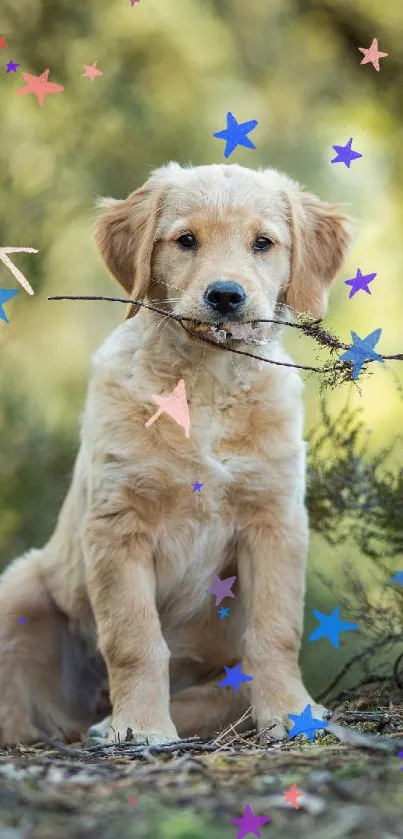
(39, 85)
(3, 42)
(291, 796)
(132, 800)
(372, 54)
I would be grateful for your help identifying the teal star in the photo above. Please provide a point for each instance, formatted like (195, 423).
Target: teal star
(362, 350)
(5, 295)
(331, 626)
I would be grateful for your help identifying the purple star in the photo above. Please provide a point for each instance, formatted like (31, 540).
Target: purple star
(234, 677)
(22, 620)
(400, 754)
(360, 281)
(249, 823)
(197, 487)
(11, 67)
(345, 154)
(221, 588)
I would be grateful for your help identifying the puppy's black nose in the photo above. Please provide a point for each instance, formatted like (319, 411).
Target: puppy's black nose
(225, 297)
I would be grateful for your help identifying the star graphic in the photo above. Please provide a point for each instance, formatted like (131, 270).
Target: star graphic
(197, 487)
(398, 578)
(14, 270)
(372, 55)
(12, 67)
(132, 800)
(331, 626)
(39, 85)
(91, 71)
(292, 795)
(223, 613)
(345, 154)
(249, 823)
(305, 723)
(235, 134)
(361, 350)
(22, 620)
(132, 2)
(3, 42)
(221, 588)
(360, 281)
(400, 754)
(175, 405)
(5, 295)
(234, 677)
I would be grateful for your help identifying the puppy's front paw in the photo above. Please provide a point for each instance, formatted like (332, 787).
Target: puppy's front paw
(275, 724)
(118, 730)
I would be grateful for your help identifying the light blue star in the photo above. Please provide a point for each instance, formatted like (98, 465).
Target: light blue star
(5, 295)
(331, 626)
(223, 613)
(398, 578)
(235, 134)
(234, 677)
(361, 350)
(305, 723)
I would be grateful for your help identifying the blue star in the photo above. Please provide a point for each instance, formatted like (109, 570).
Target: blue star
(400, 754)
(345, 154)
(235, 134)
(22, 620)
(223, 613)
(398, 578)
(6, 294)
(305, 723)
(234, 677)
(331, 626)
(361, 350)
(197, 487)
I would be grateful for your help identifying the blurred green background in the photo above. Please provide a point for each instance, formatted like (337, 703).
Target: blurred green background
(171, 71)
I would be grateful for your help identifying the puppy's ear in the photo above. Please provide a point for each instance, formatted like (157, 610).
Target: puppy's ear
(321, 234)
(125, 234)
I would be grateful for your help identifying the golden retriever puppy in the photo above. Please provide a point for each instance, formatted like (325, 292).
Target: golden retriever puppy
(119, 591)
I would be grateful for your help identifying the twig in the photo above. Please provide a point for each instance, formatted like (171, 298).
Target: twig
(310, 328)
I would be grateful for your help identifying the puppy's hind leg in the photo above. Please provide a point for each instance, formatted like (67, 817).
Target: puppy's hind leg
(41, 663)
(206, 709)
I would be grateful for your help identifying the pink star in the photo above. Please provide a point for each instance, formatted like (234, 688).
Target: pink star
(39, 85)
(91, 71)
(292, 795)
(221, 588)
(372, 55)
(132, 2)
(175, 405)
(249, 823)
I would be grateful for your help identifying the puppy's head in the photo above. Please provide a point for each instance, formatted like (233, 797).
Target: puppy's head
(222, 244)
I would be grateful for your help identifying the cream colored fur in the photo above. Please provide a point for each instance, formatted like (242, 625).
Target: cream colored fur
(126, 571)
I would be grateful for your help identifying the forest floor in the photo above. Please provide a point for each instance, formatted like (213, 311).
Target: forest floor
(350, 780)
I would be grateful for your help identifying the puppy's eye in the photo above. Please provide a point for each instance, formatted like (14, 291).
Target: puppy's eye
(187, 241)
(262, 243)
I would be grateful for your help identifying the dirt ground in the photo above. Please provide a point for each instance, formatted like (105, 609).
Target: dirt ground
(350, 779)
